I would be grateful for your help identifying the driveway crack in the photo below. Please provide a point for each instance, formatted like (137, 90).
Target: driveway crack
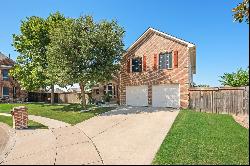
(98, 152)
(116, 124)
(56, 148)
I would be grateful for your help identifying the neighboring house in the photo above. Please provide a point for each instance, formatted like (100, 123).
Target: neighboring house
(43, 95)
(157, 70)
(111, 88)
(9, 88)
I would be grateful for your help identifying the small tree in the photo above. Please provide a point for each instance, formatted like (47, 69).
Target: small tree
(241, 12)
(240, 78)
(32, 63)
(83, 51)
(200, 85)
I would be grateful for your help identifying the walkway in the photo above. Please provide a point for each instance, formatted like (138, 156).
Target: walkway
(51, 123)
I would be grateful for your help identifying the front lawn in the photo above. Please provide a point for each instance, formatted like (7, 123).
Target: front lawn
(69, 113)
(202, 138)
(31, 124)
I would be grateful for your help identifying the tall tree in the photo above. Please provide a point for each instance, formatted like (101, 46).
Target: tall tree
(83, 51)
(241, 12)
(236, 79)
(32, 63)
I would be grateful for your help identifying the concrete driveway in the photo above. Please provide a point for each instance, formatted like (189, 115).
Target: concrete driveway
(127, 135)
(4, 138)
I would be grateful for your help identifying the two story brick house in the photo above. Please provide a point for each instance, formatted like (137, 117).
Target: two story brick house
(9, 88)
(157, 70)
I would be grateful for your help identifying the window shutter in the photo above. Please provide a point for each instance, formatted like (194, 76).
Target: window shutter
(155, 61)
(140, 64)
(170, 61)
(144, 63)
(128, 65)
(176, 59)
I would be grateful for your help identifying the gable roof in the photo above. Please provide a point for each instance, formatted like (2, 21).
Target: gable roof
(150, 30)
(2, 56)
(191, 46)
(5, 61)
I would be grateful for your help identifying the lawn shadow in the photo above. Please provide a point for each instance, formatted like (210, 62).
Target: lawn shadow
(71, 108)
(44, 104)
(34, 127)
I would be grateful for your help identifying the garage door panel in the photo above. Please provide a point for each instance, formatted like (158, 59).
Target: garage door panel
(137, 95)
(167, 95)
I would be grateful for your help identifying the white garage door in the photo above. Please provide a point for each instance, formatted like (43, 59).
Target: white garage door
(137, 95)
(167, 95)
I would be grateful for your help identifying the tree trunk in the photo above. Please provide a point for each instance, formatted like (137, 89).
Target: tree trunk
(82, 85)
(52, 95)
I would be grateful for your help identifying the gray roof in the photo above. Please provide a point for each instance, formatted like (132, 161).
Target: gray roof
(2, 56)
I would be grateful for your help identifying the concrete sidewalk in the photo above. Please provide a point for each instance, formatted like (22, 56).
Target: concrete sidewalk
(129, 135)
(51, 123)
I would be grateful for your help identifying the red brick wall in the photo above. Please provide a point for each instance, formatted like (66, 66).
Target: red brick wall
(11, 82)
(155, 44)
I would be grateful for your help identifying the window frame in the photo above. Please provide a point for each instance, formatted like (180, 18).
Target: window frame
(140, 64)
(3, 91)
(5, 78)
(114, 90)
(110, 91)
(104, 89)
(166, 67)
(107, 90)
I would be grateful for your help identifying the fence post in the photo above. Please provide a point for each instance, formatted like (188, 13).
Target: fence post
(212, 102)
(200, 101)
(246, 100)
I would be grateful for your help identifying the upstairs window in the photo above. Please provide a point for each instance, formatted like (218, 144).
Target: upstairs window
(5, 74)
(165, 60)
(137, 65)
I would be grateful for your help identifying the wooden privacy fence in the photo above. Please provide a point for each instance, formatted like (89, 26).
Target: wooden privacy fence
(71, 97)
(229, 100)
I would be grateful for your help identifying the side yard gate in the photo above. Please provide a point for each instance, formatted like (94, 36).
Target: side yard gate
(227, 100)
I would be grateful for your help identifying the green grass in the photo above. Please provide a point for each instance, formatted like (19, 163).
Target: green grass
(69, 113)
(31, 124)
(202, 138)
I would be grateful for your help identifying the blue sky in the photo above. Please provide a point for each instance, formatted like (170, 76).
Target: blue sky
(222, 45)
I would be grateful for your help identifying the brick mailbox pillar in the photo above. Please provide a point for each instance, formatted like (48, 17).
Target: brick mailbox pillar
(20, 117)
